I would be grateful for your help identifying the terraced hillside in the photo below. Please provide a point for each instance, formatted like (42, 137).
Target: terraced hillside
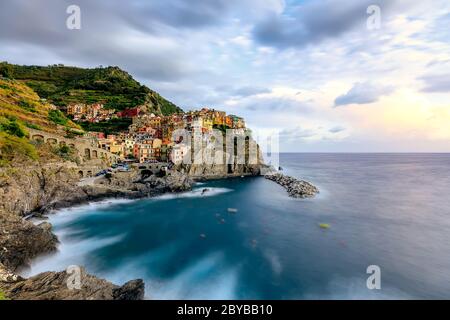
(62, 85)
(21, 109)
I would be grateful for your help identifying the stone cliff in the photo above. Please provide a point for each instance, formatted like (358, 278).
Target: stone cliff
(54, 286)
(38, 189)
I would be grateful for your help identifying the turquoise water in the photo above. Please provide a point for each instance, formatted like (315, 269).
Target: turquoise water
(390, 210)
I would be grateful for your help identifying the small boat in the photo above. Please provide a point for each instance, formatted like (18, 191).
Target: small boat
(232, 210)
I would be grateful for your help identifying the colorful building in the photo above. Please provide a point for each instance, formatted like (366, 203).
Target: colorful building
(178, 153)
(236, 122)
(229, 121)
(207, 124)
(129, 113)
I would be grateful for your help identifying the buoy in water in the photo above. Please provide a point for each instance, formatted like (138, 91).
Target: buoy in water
(324, 226)
(203, 236)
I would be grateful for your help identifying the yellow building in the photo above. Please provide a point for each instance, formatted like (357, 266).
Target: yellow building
(157, 143)
(219, 118)
(155, 122)
(208, 124)
(117, 149)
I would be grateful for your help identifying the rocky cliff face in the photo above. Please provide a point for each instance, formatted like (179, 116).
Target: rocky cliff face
(134, 184)
(54, 286)
(215, 171)
(20, 241)
(39, 189)
(227, 168)
(24, 190)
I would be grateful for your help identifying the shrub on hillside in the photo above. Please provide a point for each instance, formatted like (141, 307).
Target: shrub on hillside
(2, 296)
(11, 126)
(15, 149)
(57, 117)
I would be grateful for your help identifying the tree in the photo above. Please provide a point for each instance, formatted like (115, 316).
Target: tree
(6, 70)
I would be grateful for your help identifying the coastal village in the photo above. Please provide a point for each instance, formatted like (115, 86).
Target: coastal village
(58, 153)
(149, 137)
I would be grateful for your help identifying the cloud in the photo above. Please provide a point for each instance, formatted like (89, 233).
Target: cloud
(278, 63)
(314, 22)
(312, 133)
(362, 93)
(297, 134)
(436, 83)
(248, 91)
(107, 37)
(337, 129)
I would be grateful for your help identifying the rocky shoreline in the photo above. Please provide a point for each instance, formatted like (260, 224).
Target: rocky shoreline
(295, 188)
(35, 192)
(38, 190)
(54, 286)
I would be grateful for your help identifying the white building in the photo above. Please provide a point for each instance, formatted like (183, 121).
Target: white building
(129, 145)
(178, 153)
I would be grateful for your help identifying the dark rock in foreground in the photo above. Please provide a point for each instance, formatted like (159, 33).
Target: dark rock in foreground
(54, 286)
(38, 190)
(296, 188)
(21, 241)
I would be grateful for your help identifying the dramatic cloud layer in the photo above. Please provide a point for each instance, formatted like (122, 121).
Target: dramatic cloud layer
(362, 93)
(314, 21)
(310, 69)
(437, 83)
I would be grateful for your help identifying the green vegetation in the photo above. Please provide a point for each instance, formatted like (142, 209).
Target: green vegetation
(65, 152)
(57, 117)
(20, 109)
(221, 127)
(33, 126)
(111, 86)
(28, 106)
(2, 296)
(20, 102)
(108, 127)
(10, 126)
(70, 134)
(13, 148)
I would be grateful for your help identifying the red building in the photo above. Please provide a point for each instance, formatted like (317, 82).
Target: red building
(97, 135)
(128, 113)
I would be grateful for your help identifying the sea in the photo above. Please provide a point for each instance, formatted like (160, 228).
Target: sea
(387, 235)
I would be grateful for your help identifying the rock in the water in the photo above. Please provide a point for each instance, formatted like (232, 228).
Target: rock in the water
(296, 188)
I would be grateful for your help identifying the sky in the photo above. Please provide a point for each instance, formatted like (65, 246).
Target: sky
(311, 72)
